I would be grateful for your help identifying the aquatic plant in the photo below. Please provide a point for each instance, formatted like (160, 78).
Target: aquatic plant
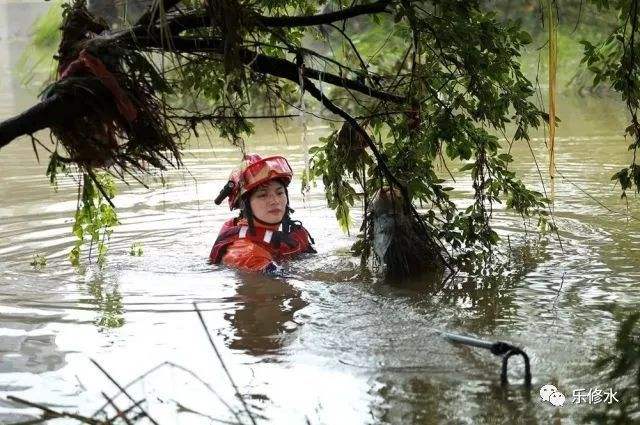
(136, 249)
(39, 262)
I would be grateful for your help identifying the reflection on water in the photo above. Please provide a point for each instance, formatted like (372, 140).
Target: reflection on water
(25, 344)
(422, 400)
(264, 314)
(108, 302)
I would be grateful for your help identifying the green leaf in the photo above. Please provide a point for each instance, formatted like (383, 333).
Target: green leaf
(468, 166)
(505, 157)
(525, 37)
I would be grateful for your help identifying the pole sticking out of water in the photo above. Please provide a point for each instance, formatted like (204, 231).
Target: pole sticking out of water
(498, 348)
(303, 125)
(467, 340)
(304, 139)
(553, 64)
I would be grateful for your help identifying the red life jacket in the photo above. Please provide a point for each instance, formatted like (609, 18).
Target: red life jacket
(281, 245)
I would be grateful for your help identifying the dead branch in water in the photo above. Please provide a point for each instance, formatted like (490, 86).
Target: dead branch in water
(48, 413)
(124, 391)
(224, 366)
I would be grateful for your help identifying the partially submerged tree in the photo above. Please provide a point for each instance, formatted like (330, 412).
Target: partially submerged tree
(441, 83)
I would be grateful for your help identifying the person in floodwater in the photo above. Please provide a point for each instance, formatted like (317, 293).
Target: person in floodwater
(264, 234)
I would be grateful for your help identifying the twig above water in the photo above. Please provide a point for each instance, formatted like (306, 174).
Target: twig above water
(183, 408)
(224, 366)
(182, 368)
(49, 413)
(119, 413)
(124, 391)
(127, 410)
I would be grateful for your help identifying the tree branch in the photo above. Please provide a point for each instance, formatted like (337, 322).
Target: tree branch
(152, 12)
(313, 91)
(38, 117)
(353, 47)
(143, 36)
(325, 18)
(309, 52)
(270, 65)
(199, 19)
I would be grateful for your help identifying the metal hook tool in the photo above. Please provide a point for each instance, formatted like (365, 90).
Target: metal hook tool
(498, 348)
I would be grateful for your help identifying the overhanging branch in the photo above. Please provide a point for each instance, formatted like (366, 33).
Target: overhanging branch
(145, 35)
(196, 19)
(325, 18)
(316, 93)
(153, 12)
(38, 117)
(277, 67)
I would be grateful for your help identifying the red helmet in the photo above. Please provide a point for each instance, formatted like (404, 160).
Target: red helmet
(256, 171)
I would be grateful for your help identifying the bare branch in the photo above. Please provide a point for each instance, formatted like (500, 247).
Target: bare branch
(49, 413)
(326, 18)
(38, 117)
(353, 47)
(122, 390)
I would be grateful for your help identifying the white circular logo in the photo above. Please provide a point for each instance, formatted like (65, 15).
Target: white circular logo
(557, 399)
(546, 391)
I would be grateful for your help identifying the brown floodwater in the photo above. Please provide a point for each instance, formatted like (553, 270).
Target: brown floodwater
(323, 344)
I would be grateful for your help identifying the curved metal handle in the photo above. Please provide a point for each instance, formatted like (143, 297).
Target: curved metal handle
(499, 348)
(505, 364)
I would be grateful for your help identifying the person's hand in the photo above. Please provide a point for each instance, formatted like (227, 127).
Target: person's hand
(273, 270)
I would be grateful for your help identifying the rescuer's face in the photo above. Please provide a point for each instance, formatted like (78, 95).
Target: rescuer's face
(269, 202)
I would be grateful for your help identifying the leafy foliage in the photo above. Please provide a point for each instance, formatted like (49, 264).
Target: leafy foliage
(39, 262)
(459, 87)
(95, 218)
(621, 363)
(339, 160)
(615, 60)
